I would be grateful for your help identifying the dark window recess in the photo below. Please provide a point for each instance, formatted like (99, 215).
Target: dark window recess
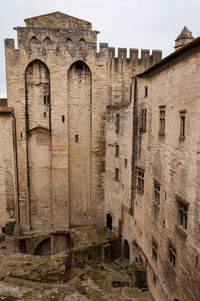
(197, 260)
(125, 163)
(21, 135)
(172, 254)
(3, 229)
(48, 99)
(162, 121)
(45, 114)
(45, 99)
(156, 193)
(117, 123)
(154, 278)
(76, 138)
(143, 120)
(146, 92)
(117, 151)
(63, 118)
(79, 65)
(109, 221)
(182, 214)
(154, 249)
(182, 123)
(116, 174)
(141, 180)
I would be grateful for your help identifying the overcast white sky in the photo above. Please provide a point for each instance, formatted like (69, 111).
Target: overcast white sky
(148, 24)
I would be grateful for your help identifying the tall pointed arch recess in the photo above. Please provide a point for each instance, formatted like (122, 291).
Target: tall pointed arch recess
(79, 92)
(38, 139)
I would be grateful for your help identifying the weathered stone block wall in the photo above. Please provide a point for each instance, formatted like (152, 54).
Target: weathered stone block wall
(173, 161)
(8, 189)
(49, 46)
(118, 191)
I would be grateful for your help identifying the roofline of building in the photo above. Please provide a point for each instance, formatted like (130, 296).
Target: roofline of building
(171, 57)
(55, 13)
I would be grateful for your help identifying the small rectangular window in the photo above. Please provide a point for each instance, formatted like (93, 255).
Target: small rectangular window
(143, 120)
(45, 114)
(117, 151)
(116, 174)
(76, 138)
(162, 121)
(63, 118)
(172, 254)
(125, 163)
(140, 180)
(154, 249)
(117, 123)
(183, 206)
(182, 123)
(146, 92)
(156, 192)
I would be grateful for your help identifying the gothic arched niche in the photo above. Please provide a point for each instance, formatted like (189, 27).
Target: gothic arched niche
(46, 44)
(40, 179)
(37, 87)
(82, 45)
(33, 44)
(69, 44)
(38, 129)
(79, 126)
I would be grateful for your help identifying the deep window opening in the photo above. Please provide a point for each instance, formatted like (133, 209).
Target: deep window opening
(109, 221)
(117, 123)
(125, 163)
(79, 65)
(76, 138)
(117, 151)
(63, 118)
(116, 174)
(146, 91)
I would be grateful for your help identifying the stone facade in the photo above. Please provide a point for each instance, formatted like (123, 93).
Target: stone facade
(159, 218)
(89, 138)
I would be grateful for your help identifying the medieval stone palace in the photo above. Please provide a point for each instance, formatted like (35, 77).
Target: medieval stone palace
(103, 138)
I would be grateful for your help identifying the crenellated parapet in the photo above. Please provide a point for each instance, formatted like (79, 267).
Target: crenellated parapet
(145, 60)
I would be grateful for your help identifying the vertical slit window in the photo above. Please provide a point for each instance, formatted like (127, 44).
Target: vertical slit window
(146, 92)
(63, 118)
(143, 120)
(116, 174)
(117, 151)
(162, 121)
(117, 123)
(45, 99)
(182, 123)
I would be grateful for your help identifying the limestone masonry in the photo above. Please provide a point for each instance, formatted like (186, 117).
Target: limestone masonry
(92, 139)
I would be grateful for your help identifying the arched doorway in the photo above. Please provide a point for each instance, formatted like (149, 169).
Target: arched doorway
(126, 250)
(44, 247)
(79, 92)
(109, 221)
